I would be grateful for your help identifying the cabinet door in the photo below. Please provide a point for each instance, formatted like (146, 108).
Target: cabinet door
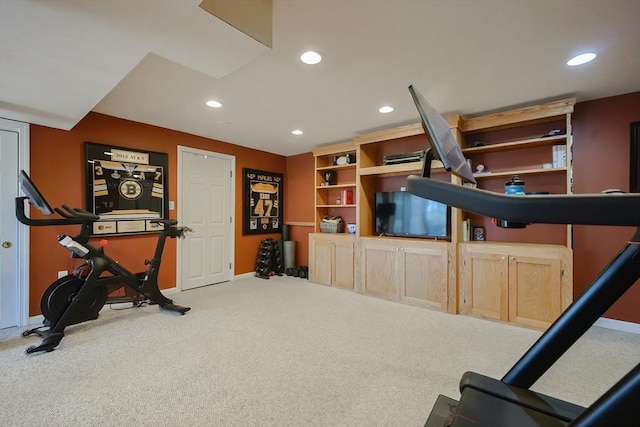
(424, 275)
(484, 278)
(378, 263)
(536, 291)
(320, 259)
(342, 275)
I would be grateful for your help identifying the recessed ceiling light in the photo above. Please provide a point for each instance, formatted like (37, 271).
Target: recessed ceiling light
(310, 57)
(214, 104)
(386, 109)
(296, 132)
(581, 59)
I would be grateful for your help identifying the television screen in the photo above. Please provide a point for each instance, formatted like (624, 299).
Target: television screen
(399, 213)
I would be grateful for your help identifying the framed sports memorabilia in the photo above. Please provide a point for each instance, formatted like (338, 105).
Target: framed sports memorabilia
(127, 188)
(262, 202)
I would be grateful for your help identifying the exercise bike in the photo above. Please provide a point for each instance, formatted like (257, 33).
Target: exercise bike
(80, 296)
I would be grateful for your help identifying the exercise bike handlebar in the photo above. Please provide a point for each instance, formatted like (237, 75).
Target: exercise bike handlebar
(80, 213)
(580, 209)
(72, 216)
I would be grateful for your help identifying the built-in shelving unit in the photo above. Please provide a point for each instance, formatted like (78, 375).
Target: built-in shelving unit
(479, 278)
(521, 142)
(327, 195)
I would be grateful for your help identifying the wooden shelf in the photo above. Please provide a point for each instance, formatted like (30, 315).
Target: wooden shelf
(337, 167)
(537, 171)
(336, 206)
(328, 187)
(519, 117)
(400, 169)
(515, 145)
(335, 149)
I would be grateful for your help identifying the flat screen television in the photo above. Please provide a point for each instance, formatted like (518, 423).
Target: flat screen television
(402, 214)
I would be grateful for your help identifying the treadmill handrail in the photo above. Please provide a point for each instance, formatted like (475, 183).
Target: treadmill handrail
(615, 209)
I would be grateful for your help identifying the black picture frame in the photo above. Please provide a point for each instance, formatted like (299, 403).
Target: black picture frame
(262, 201)
(126, 187)
(634, 171)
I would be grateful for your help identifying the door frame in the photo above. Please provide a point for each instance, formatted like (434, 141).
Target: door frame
(22, 129)
(232, 192)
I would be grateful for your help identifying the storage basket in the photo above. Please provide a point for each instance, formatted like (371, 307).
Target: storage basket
(332, 224)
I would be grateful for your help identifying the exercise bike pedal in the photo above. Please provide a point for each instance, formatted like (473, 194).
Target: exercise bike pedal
(175, 308)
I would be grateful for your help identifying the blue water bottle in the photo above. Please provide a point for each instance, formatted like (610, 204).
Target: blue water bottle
(514, 186)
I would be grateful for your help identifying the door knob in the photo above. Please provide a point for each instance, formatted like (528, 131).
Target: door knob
(7, 244)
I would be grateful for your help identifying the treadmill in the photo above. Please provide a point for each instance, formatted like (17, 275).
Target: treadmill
(489, 402)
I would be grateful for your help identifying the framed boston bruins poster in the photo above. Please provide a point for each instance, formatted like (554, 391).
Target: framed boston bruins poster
(262, 202)
(127, 188)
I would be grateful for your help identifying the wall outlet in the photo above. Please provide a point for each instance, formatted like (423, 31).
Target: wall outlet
(62, 273)
(403, 188)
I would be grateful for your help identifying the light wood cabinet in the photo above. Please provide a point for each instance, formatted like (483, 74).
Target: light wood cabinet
(411, 271)
(331, 259)
(378, 268)
(424, 273)
(529, 285)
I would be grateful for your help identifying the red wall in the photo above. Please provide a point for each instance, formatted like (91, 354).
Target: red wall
(57, 168)
(601, 155)
(601, 160)
(299, 202)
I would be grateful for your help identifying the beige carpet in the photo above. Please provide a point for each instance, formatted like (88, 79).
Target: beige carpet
(279, 352)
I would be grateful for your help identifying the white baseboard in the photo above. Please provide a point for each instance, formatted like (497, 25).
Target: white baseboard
(243, 275)
(35, 320)
(618, 325)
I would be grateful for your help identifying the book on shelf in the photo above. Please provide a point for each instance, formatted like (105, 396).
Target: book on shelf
(559, 156)
(466, 230)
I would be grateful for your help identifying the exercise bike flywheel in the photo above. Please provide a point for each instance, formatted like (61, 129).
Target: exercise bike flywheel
(59, 295)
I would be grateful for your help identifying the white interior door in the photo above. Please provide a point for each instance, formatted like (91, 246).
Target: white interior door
(9, 237)
(206, 205)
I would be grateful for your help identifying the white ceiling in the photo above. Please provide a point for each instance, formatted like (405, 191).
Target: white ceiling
(158, 61)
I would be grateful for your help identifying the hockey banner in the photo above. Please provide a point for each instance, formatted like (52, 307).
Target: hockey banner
(262, 202)
(127, 188)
